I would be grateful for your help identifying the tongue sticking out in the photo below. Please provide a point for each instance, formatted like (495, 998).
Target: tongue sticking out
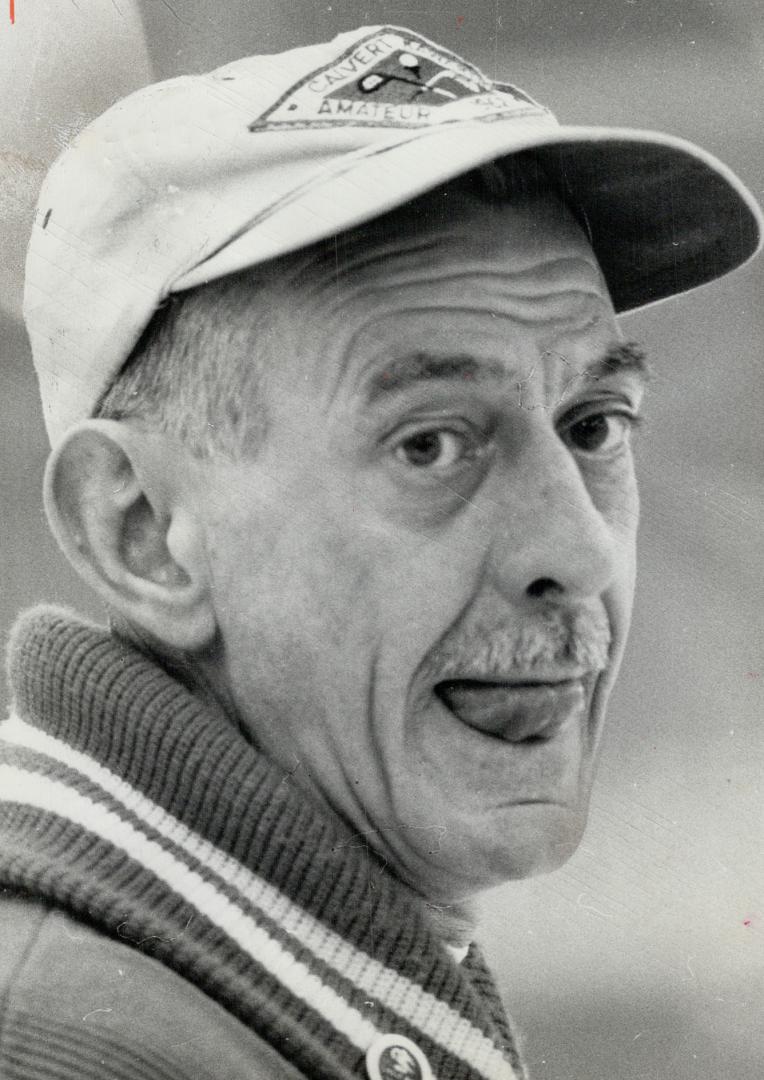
(514, 712)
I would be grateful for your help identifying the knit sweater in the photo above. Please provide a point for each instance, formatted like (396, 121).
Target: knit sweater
(127, 803)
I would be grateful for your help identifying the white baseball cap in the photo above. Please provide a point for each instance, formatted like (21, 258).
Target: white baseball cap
(194, 178)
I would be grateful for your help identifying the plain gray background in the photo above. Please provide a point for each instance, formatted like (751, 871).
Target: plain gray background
(643, 959)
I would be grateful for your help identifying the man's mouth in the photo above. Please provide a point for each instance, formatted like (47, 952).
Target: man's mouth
(516, 712)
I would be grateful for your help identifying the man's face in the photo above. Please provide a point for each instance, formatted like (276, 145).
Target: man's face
(423, 578)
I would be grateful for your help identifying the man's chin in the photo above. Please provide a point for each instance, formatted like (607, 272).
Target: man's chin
(544, 835)
(525, 840)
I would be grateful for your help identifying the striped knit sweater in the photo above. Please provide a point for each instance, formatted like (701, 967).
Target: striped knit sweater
(127, 803)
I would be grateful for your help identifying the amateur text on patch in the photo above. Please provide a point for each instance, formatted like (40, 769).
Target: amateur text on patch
(394, 79)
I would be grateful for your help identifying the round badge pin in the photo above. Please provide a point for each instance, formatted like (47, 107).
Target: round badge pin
(394, 1057)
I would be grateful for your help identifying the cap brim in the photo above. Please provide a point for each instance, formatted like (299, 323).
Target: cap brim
(662, 215)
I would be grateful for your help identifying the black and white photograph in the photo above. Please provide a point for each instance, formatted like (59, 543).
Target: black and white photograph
(381, 520)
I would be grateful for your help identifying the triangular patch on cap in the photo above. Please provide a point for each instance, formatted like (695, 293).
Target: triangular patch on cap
(393, 78)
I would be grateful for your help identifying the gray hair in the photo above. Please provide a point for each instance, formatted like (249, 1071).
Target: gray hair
(196, 373)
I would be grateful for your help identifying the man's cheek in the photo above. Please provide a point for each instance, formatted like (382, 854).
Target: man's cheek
(613, 490)
(423, 596)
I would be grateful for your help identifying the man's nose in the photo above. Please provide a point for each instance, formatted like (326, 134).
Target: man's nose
(551, 540)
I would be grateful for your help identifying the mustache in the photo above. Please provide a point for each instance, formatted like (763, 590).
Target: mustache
(565, 639)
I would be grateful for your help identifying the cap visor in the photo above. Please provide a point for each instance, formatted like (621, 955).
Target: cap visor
(662, 215)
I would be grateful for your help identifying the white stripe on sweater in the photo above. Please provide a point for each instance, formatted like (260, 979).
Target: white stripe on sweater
(433, 1017)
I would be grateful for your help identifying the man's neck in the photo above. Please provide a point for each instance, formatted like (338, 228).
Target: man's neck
(454, 923)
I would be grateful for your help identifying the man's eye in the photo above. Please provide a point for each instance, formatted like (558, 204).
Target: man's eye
(600, 433)
(438, 449)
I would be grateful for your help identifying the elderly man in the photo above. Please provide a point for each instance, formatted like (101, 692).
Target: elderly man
(340, 414)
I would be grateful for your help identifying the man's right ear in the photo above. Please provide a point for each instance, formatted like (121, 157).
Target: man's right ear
(120, 510)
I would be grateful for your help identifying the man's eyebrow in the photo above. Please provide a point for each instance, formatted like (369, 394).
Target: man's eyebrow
(620, 357)
(404, 371)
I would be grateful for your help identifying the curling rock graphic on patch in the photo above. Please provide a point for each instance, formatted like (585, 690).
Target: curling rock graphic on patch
(391, 79)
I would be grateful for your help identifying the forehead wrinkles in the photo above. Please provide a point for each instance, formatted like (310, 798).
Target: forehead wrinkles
(488, 285)
(525, 264)
(555, 301)
(537, 292)
(466, 232)
(568, 314)
(512, 265)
